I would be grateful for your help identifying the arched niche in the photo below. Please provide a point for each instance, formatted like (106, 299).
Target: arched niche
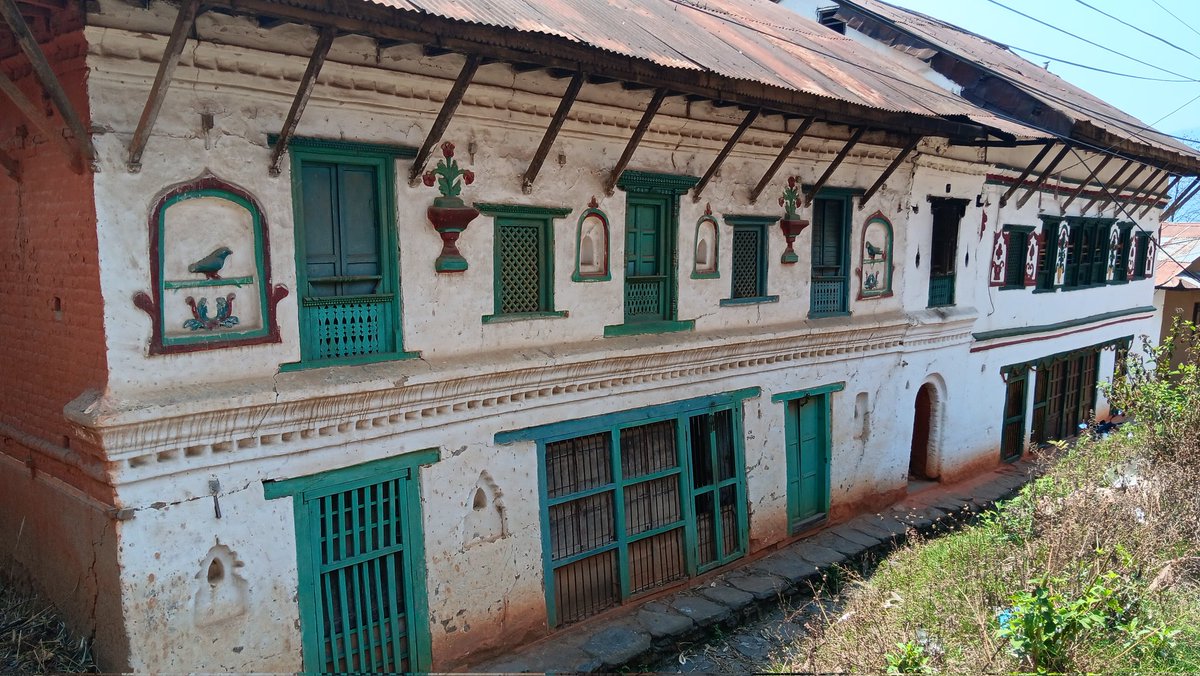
(875, 256)
(591, 247)
(706, 252)
(210, 269)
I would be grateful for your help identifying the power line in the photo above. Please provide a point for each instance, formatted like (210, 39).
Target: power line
(1090, 42)
(1185, 24)
(1098, 70)
(1143, 32)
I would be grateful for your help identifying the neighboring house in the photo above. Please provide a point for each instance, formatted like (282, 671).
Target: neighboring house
(287, 388)
(1177, 277)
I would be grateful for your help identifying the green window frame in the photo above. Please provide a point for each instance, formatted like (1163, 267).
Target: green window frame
(347, 267)
(1124, 244)
(943, 249)
(1012, 429)
(1141, 248)
(748, 271)
(523, 261)
(829, 291)
(1047, 256)
(1014, 264)
(637, 500)
(651, 285)
(360, 562)
(808, 453)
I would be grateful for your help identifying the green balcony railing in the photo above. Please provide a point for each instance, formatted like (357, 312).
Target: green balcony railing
(941, 290)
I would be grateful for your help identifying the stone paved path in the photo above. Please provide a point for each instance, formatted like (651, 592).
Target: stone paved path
(737, 621)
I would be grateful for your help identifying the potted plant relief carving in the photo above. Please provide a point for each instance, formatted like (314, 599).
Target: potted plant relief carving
(791, 224)
(449, 215)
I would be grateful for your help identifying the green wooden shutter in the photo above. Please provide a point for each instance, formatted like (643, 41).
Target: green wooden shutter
(748, 278)
(521, 277)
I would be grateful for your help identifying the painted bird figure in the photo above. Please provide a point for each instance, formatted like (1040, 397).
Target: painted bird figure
(210, 266)
(874, 251)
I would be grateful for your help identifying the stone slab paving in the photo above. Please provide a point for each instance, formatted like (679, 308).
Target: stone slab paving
(748, 605)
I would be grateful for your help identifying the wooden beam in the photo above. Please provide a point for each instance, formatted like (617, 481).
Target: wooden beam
(638, 133)
(162, 80)
(11, 166)
(1025, 174)
(1115, 194)
(41, 67)
(556, 123)
(38, 119)
(720, 159)
(1037, 183)
(1157, 196)
(1184, 197)
(1157, 178)
(449, 106)
(904, 152)
(307, 82)
(781, 158)
(837, 160)
(1090, 177)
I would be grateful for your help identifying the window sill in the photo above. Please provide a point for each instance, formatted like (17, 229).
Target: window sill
(1118, 281)
(576, 277)
(757, 300)
(706, 275)
(939, 305)
(822, 315)
(1052, 290)
(523, 316)
(356, 360)
(638, 328)
(1011, 287)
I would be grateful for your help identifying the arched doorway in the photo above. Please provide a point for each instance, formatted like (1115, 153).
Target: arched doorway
(919, 466)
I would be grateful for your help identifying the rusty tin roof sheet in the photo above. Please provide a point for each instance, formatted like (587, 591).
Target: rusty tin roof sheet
(1037, 81)
(753, 40)
(1180, 244)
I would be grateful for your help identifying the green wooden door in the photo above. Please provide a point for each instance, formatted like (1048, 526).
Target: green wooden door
(647, 260)
(360, 567)
(808, 438)
(718, 489)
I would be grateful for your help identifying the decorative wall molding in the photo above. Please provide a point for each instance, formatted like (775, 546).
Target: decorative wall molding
(149, 440)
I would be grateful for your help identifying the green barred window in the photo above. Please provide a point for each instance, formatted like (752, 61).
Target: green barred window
(635, 507)
(523, 259)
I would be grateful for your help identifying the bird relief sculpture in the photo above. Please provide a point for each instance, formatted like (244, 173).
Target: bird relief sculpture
(201, 321)
(876, 269)
(210, 266)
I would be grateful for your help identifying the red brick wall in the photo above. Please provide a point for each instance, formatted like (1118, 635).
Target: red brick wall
(52, 345)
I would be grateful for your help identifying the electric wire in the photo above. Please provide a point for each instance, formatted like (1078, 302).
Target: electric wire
(1185, 24)
(1143, 32)
(1098, 70)
(1090, 42)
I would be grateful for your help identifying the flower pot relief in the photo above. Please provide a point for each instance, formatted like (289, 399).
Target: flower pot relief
(449, 215)
(791, 224)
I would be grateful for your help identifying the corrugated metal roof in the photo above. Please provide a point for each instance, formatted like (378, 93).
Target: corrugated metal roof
(752, 40)
(1040, 83)
(1179, 245)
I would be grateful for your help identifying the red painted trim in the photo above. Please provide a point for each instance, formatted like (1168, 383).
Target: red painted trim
(149, 303)
(981, 348)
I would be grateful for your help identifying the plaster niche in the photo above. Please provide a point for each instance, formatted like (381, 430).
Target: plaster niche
(221, 593)
(705, 257)
(485, 520)
(591, 255)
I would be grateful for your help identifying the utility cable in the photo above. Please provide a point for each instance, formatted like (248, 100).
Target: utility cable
(1185, 24)
(1143, 32)
(1098, 70)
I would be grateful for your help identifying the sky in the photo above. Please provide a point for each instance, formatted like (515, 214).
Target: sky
(1155, 103)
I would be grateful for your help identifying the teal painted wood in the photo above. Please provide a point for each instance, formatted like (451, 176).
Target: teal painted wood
(343, 199)
(749, 262)
(941, 290)
(522, 210)
(830, 288)
(523, 274)
(809, 392)
(639, 328)
(339, 147)
(808, 439)
(648, 275)
(1058, 326)
(603, 273)
(362, 593)
(646, 181)
(578, 427)
(1012, 423)
(265, 308)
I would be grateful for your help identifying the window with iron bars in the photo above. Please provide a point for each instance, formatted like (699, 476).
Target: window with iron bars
(633, 508)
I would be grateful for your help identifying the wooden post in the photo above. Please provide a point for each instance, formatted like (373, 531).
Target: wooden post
(556, 123)
(307, 82)
(449, 106)
(862, 201)
(1090, 177)
(41, 67)
(720, 159)
(162, 80)
(638, 133)
(1037, 183)
(1025, 174)
(837, 160)
(780, 158)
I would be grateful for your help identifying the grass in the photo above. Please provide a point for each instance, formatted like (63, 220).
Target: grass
(1093, 567)
(32, 638)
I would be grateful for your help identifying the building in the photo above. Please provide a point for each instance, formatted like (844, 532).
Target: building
(1177, 278)
(388, 335)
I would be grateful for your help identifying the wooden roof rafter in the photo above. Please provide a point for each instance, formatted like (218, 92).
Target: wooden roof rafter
(184, 21)
(442, 121)
(556, 123)
(83, 153)
(720, 159)
(837, 160)
(788, 147)
(891, 168)
(1037, 183)
(1025, 174)
(635, 139)
(1095, 171)
(1108, 194)
(1158, 195)
(307, 82)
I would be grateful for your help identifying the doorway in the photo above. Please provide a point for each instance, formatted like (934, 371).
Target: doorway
(919, 468)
